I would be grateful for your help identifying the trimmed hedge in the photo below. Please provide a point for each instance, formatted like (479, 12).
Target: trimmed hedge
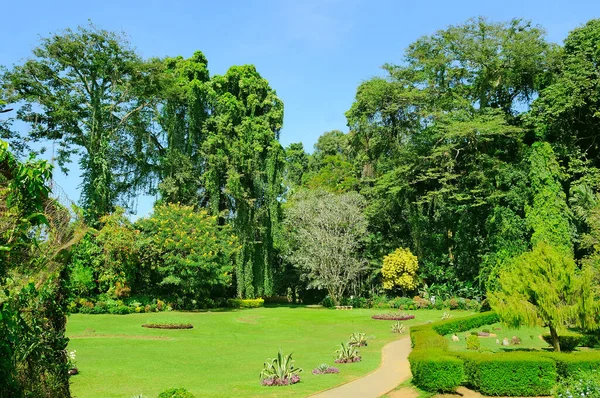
(436, 370)
(176, 393)
(570, 363)
(516, 374)
(245, 303)
(463, 324)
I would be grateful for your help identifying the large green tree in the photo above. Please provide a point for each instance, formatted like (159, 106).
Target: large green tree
(90, 93)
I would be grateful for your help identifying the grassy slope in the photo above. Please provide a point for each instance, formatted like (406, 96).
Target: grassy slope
(529, 339)
(223, 354)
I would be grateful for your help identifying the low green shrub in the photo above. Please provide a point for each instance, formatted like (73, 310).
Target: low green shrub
(516, 374)
(568, 342)
(568, 364)
(436, 370)
(425, 338)
(473, 342)
(245, 303)
(176, 393)
(463, 324)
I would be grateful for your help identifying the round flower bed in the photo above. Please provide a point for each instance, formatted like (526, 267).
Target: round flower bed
(393, 316)
(168, 325)
(271, 381)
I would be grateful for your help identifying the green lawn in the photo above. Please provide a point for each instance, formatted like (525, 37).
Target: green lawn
(224, 352)
(530, 338)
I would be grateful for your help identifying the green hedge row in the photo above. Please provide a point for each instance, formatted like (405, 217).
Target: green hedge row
(520, 374)
(245, 303)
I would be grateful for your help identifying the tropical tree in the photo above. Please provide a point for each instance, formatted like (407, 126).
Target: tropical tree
(90, 93)
(328, 231)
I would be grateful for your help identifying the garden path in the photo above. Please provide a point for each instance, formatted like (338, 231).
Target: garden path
(394, 370)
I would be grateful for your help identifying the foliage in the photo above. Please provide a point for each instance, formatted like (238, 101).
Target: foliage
(400, 270)
(328, 230)
(87, 90)
(580, 384)
(567, 342)
(347, 353)
(434, 371)
(544, 286)
(185, 254)
(280, 371)
(517, 374)
(245, 303)
(176, 393)
(473, 342)
(168, 325)
(569, 364)
(398, 327)
(358, 339)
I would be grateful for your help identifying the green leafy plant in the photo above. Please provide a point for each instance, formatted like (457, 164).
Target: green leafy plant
(358, 339)
(398, 328)
(473, 342)
(446, 315)
(347, 354)
(280, 371)
(176, 393)
(580, 384)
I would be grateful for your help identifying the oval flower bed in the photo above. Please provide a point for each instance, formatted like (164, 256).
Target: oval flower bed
(168, 325)
(393, 316)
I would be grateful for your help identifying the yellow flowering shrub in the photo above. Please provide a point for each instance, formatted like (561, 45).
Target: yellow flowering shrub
(400, 270)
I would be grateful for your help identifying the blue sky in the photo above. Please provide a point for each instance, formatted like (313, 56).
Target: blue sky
(313, 52)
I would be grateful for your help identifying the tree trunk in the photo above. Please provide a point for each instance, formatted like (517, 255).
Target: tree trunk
(554, 336)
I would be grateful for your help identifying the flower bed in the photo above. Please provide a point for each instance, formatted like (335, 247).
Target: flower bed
(272, 381)
(348, 360)
(168, 325)
(328, 370)
(393, 316)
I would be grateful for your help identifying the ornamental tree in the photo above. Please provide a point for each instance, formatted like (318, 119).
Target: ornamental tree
(400, 270)
(544, 287)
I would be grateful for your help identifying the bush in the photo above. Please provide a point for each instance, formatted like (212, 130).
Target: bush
(399, 270)
(245, 303)
(176, 393)
(568, 342)
(516, 374)
(347, 353)
(325, 369)
(435, 370)
(568, 364)
(580, 384)
(280, 371)
(473, 342)
(452, 326)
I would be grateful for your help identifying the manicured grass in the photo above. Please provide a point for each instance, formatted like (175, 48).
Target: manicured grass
(223, 354)
(529, 339)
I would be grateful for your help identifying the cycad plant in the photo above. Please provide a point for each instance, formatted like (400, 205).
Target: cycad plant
(280, 371)
(358, 339)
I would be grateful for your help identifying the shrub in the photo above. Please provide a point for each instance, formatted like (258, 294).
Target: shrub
(358, 340)
(467, 323)
(400, 270)
(324, 369)
(168, 325)
(446, 316)
(245, 303)
(280, 371)
(347, 354)
(435, 370)
(568, 342)
(568, 364)
(120, 310)
(516, 374)
(276, 300)
(425, 338)
(176, 393)
(580, 384)
(473, 342)
(393, 316)
(398, 328)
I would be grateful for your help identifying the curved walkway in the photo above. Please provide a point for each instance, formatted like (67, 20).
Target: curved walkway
(394, 370)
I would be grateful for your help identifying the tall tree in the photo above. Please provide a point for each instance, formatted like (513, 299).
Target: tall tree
(88, 91)
(244, 169)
